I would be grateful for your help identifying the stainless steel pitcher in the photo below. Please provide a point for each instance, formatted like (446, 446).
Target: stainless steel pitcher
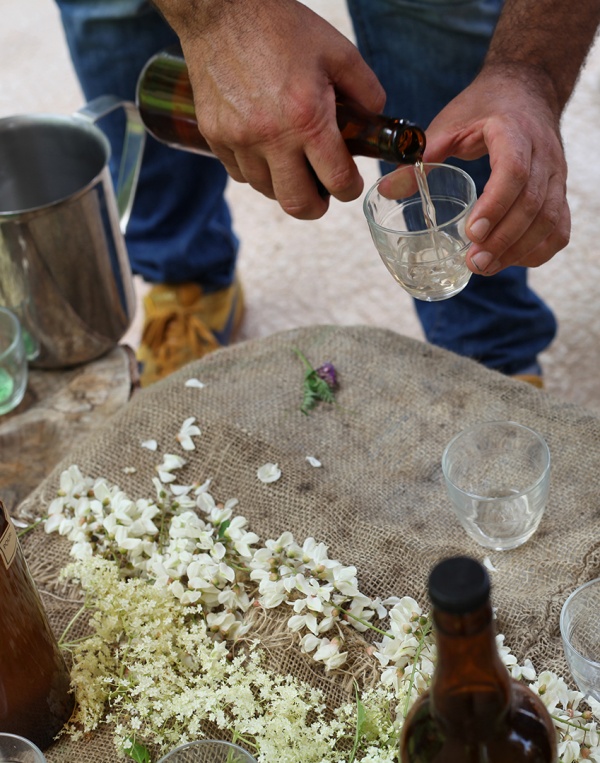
(63, 264)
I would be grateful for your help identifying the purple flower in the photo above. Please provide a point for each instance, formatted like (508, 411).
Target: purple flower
(328, 373)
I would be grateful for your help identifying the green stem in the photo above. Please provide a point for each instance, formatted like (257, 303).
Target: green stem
(30, 527)
(568, 723)
(70, 624)
(421, 644)
(366, 623)
(303, 359)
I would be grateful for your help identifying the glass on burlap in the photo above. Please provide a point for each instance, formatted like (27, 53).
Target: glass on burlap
(378, 500)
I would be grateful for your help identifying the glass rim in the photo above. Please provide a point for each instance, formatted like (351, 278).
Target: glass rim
(481, 425)
(18, 334)
(19, 738)
(200, 742)
(563, 616)
(437, 228)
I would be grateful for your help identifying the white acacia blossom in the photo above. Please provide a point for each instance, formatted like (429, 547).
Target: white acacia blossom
(188, 430)
(268, 473)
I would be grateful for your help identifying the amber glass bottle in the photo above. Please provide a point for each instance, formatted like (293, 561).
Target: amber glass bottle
(166, 105)
(474, 712)
(35, 698)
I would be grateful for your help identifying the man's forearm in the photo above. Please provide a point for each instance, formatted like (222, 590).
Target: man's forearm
(179, 13)
(549, 39)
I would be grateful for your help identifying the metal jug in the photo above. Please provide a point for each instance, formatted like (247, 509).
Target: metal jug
(63, 263)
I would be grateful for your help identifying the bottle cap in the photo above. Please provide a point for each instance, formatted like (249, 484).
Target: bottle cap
(459, 585)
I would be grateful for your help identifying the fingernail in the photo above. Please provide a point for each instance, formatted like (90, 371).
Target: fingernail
(480, 228)
(482, 261)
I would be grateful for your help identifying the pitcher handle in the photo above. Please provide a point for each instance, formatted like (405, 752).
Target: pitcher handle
(133, 147)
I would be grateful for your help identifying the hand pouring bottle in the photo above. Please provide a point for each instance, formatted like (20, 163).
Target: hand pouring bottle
(166, 105)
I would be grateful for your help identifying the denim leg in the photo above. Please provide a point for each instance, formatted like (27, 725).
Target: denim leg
(425, 52)
(180, 228)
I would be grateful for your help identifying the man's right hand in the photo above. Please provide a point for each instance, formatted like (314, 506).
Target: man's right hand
(264, 75)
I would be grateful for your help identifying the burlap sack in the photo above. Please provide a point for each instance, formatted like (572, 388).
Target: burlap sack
(378, 500)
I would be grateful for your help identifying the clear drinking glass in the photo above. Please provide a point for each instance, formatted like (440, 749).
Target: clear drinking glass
(208, 751)
(497, 475)
(424, 245)
(580, 631)
(13, 361)
(16, 749)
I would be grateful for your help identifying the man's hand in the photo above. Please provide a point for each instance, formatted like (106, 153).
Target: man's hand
(512, 111)
(522, 217)
(264, 75)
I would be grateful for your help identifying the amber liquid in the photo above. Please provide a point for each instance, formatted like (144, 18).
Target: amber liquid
(166, 105)
(34, 680)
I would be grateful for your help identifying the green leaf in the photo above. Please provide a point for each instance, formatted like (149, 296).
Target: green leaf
(314, 388)
(223, 528)
(138, 752)
(361, 717)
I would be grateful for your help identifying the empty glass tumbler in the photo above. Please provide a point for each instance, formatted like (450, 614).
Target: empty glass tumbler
(17, 749)
(208, 751)
(497, 475)
(580, 631)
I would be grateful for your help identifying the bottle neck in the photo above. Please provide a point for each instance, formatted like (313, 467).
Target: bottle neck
(471, 689)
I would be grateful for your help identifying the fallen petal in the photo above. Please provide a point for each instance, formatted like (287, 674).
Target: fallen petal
(268, 473)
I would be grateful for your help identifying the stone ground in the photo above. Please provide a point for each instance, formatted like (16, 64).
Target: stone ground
(327, 271)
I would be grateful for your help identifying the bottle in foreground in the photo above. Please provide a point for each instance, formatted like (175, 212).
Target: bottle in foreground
(474, 712)
(166, 105)
(35, 698)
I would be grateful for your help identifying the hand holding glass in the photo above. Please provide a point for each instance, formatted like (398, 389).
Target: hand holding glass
(580, 631)
(422, 241)
(497, 475)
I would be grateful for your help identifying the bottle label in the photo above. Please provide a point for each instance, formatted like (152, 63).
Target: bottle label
(8, 537)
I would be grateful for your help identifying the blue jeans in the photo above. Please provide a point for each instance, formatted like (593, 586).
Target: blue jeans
(180, 228)
(425, 52)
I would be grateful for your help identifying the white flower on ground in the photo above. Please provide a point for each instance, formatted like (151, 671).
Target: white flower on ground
(268, 473)
(195, 384)
(568, 751)
(170, 463)
(187, 431)
(313, 461)
(329, 653)
(526, 671)
(150, 444)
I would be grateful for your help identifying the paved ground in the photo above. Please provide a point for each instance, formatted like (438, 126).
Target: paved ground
(297, 273)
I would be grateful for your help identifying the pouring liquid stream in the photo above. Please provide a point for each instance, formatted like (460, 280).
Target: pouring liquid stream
(442, 245)
(427, 203)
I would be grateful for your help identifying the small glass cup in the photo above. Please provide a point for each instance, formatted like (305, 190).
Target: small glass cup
(580, 631)
(13, 361)
(16, 749)
(208, 751)
(423, 245)
(497, 475)
(25, 312)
